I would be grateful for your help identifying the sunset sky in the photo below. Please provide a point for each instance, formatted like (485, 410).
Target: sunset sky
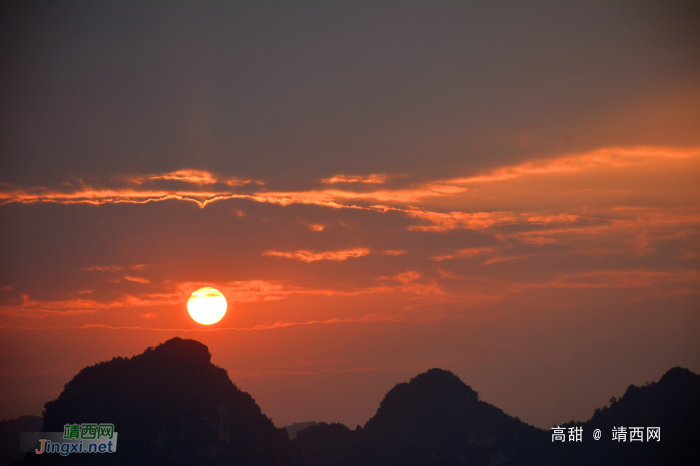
(508, 190)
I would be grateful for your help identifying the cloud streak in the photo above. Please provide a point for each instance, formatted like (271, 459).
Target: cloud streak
(308, 256)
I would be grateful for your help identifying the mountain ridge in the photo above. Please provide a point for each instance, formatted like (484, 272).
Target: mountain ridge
(171, 405)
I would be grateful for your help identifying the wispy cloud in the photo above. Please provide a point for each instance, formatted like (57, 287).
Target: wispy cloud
(465, 253)
(309, 256)
(493, 260)
(137, 279)
(393, 252)
(267, 326)
(368, 179)
(608, 157)
(188, 176)
(635, 278)
(399, 199)
(116, 268)
(105, 268)
(198, 177)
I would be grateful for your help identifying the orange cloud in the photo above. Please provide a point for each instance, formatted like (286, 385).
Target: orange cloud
(111, 196)
(137, 279)
(268, 326)
(332, 198)
(140, 266)
(505, 259)
(450, 190)
(315, 226)
(637, 278)
(308, 256)
(105, 268)
(612, 157)
(438, 221)
(186, 175)
(464, 253)
(34, 308)
(393, 252)
(198, 177)
(371, 179)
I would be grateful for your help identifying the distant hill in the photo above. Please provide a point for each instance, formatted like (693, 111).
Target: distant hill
(434, 419)
(170, 405)
(297, 426)
(672, 403)
(9, 436)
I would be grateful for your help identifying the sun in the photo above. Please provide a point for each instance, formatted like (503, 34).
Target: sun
(207, 306)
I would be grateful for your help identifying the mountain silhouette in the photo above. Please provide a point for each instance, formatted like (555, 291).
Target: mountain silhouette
(672, 404)
(9, 436)
(297, 426)
(170, 405)
(434, 419)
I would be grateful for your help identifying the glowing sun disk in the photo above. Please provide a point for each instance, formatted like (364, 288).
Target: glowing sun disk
(207, 306)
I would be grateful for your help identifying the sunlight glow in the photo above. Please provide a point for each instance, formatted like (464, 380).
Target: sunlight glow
(207, 306)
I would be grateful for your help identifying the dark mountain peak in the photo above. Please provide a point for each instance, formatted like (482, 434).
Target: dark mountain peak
(170, 405)
(671, 404)
(435, 418)
(679, 376)
(181, 349)
(442, 382)
(675, 393)
(434, 391)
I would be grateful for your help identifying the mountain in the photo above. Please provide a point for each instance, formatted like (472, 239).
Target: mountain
(9, 436)
(296, 427)
(672, 404)
(170, 405)
(434, 419)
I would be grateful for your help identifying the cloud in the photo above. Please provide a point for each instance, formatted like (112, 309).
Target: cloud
(493, 260)
(315, 226)
(188, 176)
(635, 278)
(267, 326)
(140, 266)
(105, 268)
(308, 256)
(617, 157)
(368, 179)
(34, 308)
(393, 252)
(465, 253)
(439, 221)
(517, 184)
(198, 177)
(137, 279)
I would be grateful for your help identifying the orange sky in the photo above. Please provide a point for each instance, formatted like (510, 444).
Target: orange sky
(549, 259)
